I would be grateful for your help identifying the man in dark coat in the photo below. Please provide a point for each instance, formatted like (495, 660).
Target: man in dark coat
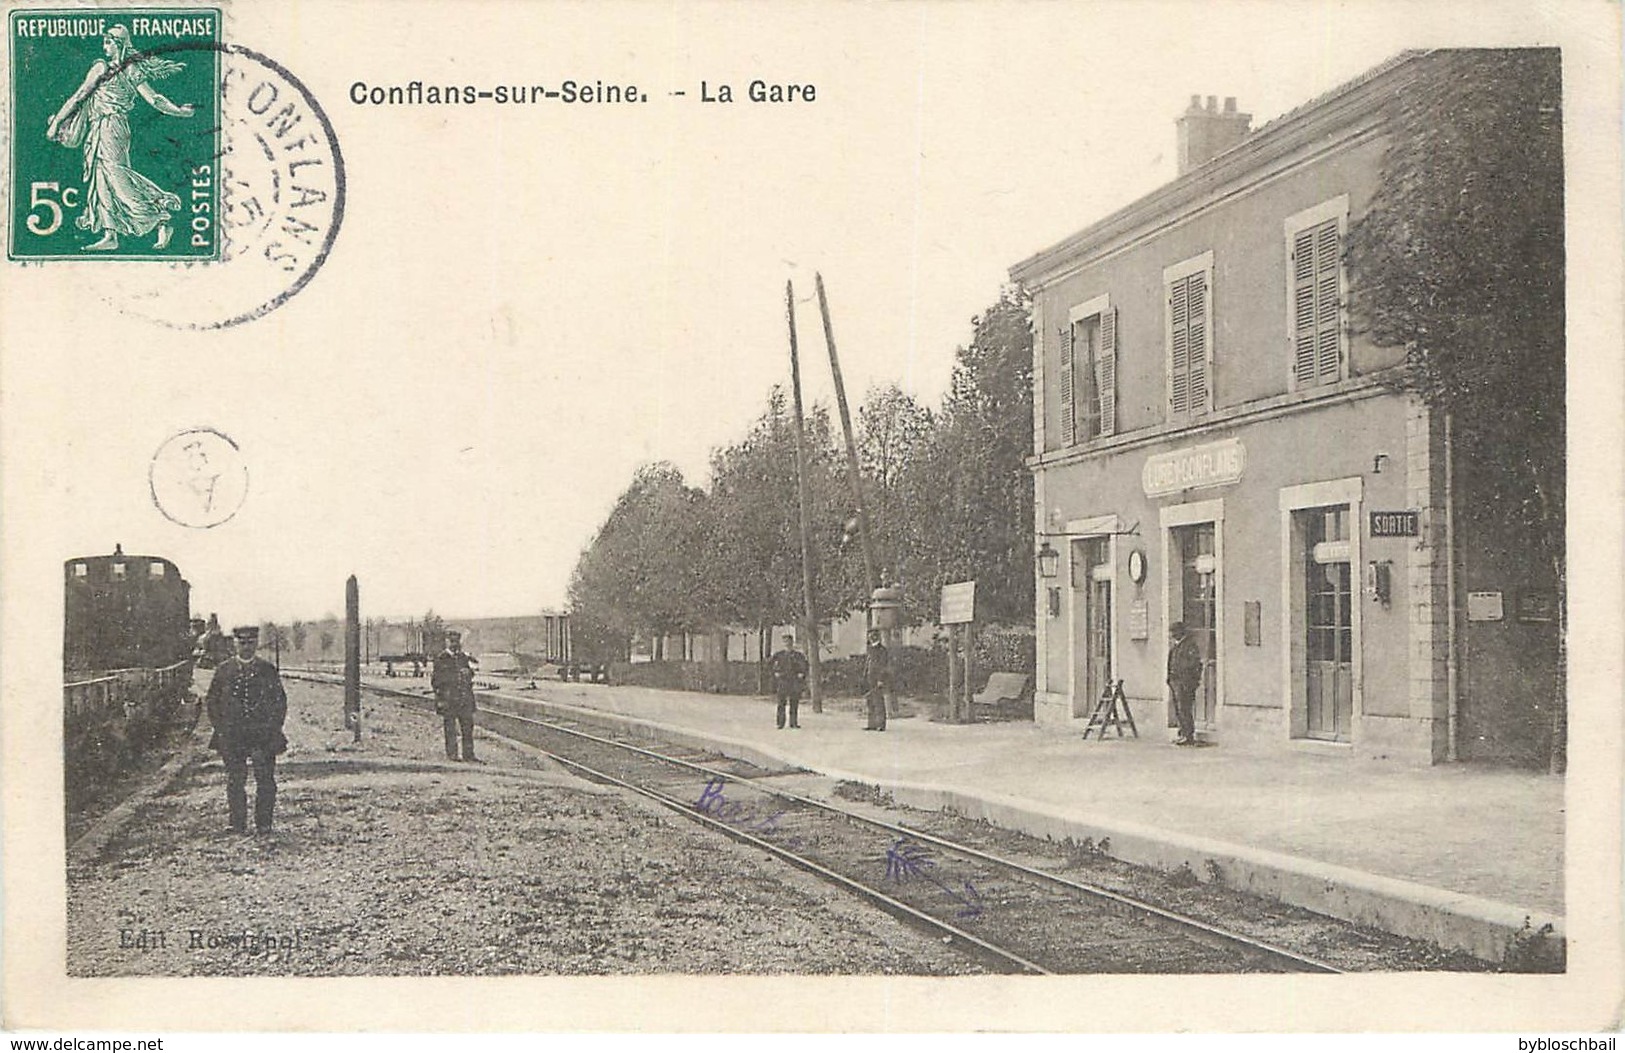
(789, 668)
(1184, 677)
(453, 682)
(877, 677)
(247, 706)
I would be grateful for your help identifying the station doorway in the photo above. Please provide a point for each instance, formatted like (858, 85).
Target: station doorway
(1194, 602)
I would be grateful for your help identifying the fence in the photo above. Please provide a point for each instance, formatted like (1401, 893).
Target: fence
(125, 693)
(916, 671)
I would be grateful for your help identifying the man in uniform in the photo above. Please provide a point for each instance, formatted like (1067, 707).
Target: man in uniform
(789, 668)
(247, 706)
(453, 682)
(877, 677)
(1184, 677)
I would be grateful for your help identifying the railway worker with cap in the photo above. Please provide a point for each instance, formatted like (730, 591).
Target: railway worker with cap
(789, 669)
(453, 682)
(247, 706)
(1184, 677)
(877, 677)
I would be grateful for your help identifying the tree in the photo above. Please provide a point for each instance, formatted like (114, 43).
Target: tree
(645, 571)
(298, 635)
(1460, 261)
(969, 491)
(895, 432)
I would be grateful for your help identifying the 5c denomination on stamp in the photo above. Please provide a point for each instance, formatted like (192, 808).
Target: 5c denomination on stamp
(115, 133)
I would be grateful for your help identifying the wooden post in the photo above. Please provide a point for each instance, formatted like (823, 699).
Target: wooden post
(855, 477)
(953, 674)
(852, 474)
(970, 666)
(352, 657)
(815, 691)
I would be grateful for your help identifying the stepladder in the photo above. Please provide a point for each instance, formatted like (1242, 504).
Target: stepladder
(1112, 711)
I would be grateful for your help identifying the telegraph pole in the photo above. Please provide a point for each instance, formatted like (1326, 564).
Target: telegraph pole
(815, 691)
(870, 566)
(852, 473)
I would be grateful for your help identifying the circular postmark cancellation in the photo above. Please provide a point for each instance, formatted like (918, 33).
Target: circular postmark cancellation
(230, 175)
(199, 478)
(281, 194)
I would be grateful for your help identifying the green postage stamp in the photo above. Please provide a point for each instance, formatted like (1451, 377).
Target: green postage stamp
(115, 136)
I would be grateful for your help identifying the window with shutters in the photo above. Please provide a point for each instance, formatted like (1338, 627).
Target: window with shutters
(1314, 245)
(1089, 372)
(1189, 295)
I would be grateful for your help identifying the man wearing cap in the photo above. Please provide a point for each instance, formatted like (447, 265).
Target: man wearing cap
(1184, 677)
(877, 675)
(789, 668)
(247, 706)
(453, 681)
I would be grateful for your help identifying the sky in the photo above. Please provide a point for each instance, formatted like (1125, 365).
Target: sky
(524, 305)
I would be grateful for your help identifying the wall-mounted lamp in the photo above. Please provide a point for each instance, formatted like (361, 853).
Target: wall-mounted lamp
(1049, 561)
(1378, 463)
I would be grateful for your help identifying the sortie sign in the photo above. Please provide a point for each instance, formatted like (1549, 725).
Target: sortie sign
(1211, 464)
(1396, 524)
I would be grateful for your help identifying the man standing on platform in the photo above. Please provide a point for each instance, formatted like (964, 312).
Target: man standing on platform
(453, 682)
(1184, 677)
(877, 676)
(789, 667)
(247, 706)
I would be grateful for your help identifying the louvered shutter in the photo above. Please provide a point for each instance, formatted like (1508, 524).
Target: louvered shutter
(1106, 371)
(1328, 364)
(1068, 410)
(1316, 305)
(1197, 349)
(1179, 349)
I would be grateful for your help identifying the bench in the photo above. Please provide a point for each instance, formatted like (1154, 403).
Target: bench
(1006, 696)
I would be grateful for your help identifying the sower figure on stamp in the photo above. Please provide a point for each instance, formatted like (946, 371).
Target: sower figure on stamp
(96, 119)
(453, 682)
(877, 677)
(247, 706)
(789, 668)
(1184, 677)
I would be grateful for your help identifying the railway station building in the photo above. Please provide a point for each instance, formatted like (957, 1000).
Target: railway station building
(1214, 444)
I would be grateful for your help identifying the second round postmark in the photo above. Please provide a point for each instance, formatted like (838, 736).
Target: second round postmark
(199, 478)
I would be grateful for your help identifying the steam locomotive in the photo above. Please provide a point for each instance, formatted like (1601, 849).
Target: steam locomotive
(126, 654)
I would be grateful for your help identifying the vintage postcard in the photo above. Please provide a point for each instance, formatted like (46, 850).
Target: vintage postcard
(815, 517)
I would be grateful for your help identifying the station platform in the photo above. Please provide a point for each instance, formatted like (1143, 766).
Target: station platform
(1463, 856)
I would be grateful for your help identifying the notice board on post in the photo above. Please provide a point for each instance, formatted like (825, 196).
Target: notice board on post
(958, 603)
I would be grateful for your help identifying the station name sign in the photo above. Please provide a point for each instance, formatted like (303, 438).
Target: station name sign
(1211, 464)
(1396, 524)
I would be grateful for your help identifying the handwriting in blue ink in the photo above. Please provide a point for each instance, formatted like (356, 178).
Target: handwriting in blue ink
(906, 860)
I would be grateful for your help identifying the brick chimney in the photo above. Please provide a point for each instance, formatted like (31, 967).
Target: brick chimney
(1205, 132)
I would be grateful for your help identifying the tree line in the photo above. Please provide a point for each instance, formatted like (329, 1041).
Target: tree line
(946, 488)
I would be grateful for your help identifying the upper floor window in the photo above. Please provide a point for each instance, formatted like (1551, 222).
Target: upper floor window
(1089, 372)
(118, 570)
(80, 570)
(1314, 243)
(155, 569)
(1189, 286)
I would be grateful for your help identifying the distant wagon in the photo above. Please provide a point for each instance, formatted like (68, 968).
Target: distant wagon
(126, 652)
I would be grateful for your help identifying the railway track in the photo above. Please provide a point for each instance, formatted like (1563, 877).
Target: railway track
(1012, 917)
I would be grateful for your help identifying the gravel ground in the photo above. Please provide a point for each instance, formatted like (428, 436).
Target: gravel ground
(390, 861)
